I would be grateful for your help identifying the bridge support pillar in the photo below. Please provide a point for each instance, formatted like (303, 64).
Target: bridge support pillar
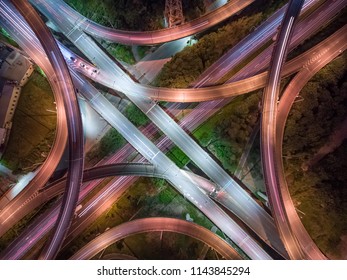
(173, 12)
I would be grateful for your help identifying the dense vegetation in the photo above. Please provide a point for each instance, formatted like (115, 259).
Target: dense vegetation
(132, 14)
(226, 133)
(187, 65)
(321, 191)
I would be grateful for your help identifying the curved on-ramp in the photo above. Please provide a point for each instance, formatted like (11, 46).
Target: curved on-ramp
(156, 224)
(74, 124)
(329, 50)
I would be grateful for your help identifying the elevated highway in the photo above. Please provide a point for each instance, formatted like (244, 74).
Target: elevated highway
(149, 37)
(164, 122)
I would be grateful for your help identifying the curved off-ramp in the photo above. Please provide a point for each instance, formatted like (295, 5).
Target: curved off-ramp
(269, 111)
(328, 51)
(156, 224)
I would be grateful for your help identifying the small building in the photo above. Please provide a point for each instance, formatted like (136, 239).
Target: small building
(15, 70)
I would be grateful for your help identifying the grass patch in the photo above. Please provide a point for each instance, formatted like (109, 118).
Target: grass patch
(108, 144)
(33, 128)
(143, 51)
(121, 52)
(4, 36)
(178, 157)
(135, 115)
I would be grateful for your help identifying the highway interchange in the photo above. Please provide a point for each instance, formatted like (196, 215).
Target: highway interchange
(202, 193)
